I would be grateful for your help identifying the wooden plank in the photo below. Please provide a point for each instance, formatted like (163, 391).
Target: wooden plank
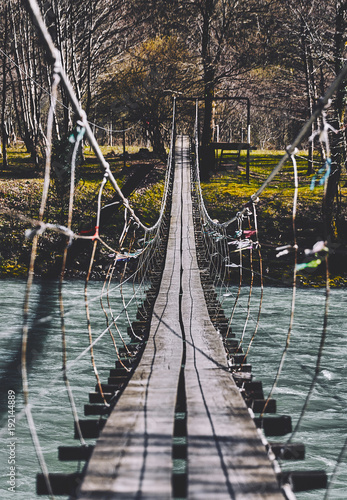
(80, 453)
(230, 146)
(61, 484)
(288, 451)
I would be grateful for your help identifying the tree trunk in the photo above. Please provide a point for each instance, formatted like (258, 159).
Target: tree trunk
(207, 155)
(156, 138)
(332, 206)
(26, 99)
(4, 131)
(311, 92)
(89, 60)
(207, 131)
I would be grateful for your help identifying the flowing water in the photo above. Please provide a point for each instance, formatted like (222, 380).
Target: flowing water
(324, 425)
(323, 428)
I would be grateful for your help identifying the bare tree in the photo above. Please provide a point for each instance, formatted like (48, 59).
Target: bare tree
(28, 81)
(221, 34)
(336, 225)
(4, 127)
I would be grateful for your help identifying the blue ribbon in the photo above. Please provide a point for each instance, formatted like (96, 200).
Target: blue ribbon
(323, 170)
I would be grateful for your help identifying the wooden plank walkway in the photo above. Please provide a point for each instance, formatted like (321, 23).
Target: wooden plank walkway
(225, 458)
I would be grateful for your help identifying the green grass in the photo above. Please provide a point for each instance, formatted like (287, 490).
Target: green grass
(227, 192)
(147, 202)
(21, 188)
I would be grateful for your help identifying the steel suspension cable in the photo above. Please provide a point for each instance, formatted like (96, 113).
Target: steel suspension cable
(292, 311)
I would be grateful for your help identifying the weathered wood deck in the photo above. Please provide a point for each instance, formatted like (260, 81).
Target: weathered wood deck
(182, 373)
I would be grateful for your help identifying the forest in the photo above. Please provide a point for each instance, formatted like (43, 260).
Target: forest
(127, 59)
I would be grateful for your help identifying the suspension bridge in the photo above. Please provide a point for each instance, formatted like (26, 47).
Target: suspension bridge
(176, 415)
(180, 392)
(180, 415)
(176, 418)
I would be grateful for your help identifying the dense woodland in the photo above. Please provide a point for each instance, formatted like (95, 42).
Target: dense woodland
(127, 59)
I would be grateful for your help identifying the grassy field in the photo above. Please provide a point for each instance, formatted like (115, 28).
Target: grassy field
(225, 193)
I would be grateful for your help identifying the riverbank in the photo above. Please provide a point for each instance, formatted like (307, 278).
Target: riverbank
(225, 193)
(20, 198)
